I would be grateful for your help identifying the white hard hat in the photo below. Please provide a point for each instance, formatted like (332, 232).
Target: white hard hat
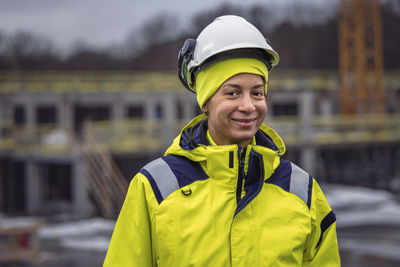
(226, 37)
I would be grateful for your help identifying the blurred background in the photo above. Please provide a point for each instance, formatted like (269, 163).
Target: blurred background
(89, 94)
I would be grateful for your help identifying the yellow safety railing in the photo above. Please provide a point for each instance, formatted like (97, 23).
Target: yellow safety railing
(338, 129)
(147, 135)
(167, 81)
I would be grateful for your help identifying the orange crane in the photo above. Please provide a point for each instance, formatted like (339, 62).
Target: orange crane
(360, 57)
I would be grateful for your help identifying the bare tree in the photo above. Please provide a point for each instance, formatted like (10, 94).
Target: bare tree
(3, 59)
(159, 29)
(202, 19)
(86, 57)
(29, 51)
(162, 28)
(303, 37)
(264, 18)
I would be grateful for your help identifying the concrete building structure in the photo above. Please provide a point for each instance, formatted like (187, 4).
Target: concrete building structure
(137, 115)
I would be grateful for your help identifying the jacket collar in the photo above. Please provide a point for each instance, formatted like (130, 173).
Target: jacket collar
(193, 139)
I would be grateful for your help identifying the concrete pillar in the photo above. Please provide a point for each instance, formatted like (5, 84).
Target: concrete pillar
(326, 106)
(30, 119)
(82, 206)
(33, 187)
(2, 114)
(169, 118)
(188, 108)
(150, 108)
(308, 153)
(149, 115)
(306, 109)
(118, 111)
(65, 115)
(6, 111)
(117, 115)
(308, 160)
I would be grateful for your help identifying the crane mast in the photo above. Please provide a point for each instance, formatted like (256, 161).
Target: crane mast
(360, 57)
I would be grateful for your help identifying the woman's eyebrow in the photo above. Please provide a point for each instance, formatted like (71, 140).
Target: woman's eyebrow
(261, 85)
(235, 85)
(238, 86)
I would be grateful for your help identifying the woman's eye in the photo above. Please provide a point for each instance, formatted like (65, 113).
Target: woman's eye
(259, 93)
(231, 93)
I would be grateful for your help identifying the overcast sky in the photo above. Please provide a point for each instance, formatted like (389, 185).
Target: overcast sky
(104, 22)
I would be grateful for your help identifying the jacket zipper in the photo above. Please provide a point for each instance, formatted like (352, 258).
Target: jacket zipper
(252, 193)
(241, 174)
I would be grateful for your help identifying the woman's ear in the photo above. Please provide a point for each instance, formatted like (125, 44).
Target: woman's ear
(204, 108)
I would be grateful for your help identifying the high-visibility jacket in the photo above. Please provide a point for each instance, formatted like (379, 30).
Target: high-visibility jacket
(203, 205)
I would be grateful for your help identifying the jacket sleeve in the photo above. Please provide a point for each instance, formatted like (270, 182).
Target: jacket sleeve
(322, 246)
(131, 243)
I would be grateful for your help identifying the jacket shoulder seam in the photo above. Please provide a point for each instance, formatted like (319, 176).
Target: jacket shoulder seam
(170, 173)
(293, 179)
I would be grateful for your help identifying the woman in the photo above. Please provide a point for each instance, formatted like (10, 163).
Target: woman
(222, 195)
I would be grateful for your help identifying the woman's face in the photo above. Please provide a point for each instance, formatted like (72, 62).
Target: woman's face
(237, 110)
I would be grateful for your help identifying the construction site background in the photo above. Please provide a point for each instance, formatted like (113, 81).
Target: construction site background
(74, 130)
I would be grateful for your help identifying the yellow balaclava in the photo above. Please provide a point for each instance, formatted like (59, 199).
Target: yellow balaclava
(209, 80)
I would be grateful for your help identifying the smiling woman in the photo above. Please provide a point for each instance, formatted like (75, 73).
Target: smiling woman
(222, 195)
(235, 112)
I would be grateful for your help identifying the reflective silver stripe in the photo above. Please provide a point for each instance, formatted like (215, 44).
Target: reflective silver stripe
(299, 182)
(163, 176)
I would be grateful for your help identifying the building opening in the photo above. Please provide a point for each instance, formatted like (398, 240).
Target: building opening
(92, 113)
(46, 114)
(13, 186)
(57, 187)
(285, 109)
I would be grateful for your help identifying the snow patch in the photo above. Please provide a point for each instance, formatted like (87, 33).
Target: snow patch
(357, 206)
(95, 243)
(79, 228)
(385, 250)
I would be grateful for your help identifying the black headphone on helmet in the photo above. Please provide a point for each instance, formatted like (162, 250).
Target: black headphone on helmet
(184, 57)
(186, 54)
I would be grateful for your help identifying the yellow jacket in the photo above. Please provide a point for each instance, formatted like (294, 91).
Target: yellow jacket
(203, 205)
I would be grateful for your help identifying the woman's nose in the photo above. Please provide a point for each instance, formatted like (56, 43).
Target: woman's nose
(246, 104)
